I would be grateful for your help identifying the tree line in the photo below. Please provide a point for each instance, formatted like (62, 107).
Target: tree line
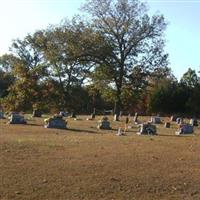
(112, 59)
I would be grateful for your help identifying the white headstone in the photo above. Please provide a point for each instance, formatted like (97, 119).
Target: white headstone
(120, 132)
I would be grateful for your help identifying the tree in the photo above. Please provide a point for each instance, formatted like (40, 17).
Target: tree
(190, 78)
(6, 80)
(27, 67)
(6, 77)
(134, 40)
(173, 97)
(59, 46)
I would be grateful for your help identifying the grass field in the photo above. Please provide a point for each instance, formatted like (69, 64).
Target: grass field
(85, 163)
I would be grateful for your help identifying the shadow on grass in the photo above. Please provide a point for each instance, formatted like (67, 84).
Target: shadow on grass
(82, 131)
(30, 124)
(184, 135)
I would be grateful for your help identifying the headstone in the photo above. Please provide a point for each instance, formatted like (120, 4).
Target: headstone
(104, 124)
(135, 118)
(2, 115)
(63, 113)
(37, 113)
(194, 122)
(173, 118)
(17, 119)
(73, 115)
(185, 129)
(93, 116)
(155, 120)
(120, 132)
(127, 120)
(147, 129)
(116, 117)
(55, 122)
(107, 112)
(179, 120)
(167, 125)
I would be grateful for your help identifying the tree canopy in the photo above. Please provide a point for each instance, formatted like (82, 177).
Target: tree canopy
(114, 58)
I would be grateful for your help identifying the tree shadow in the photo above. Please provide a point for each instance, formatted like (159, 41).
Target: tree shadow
(30, 124)
(184, 135)
(82, 131)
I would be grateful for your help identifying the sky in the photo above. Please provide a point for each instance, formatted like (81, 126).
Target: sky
(20, 17)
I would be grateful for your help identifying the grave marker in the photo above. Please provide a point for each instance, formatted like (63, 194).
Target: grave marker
(2, 115)
(194, 122)
(104, 124)
(37, 113)
(155, 120)
(17, 119)
(55, 122)
(147, 129)
(185, 129)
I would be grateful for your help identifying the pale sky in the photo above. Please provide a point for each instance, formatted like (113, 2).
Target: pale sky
(20, 17)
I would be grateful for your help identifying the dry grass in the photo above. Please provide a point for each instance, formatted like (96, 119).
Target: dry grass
(85, 163)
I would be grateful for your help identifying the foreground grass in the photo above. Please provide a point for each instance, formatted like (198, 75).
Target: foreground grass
(85, 163)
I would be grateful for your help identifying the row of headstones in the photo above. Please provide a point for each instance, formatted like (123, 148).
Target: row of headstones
(150, 129)
(52, 122)
(154, 120)
(157, 120)
(58, 122)
(178, 120)
(55, 122)
(37, 113)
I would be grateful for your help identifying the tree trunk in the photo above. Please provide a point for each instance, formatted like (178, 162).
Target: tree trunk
(118, 106)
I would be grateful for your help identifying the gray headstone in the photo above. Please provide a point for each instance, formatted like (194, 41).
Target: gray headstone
(63, 113)
(73, 115)
(173, 118)
(2, 115)
(55, 122)
(93, 116)
(135, 118)
(156, 120)
(194, 122)
(167, 125)
(147, 129)
(17, 119)
(104, 124)
(37, 113)
(179, 120)
(185, 129)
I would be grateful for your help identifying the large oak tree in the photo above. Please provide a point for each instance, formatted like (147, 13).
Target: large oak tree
(135, 40)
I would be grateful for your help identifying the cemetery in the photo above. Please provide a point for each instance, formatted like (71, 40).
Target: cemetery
(99, 106)
(88, 151)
